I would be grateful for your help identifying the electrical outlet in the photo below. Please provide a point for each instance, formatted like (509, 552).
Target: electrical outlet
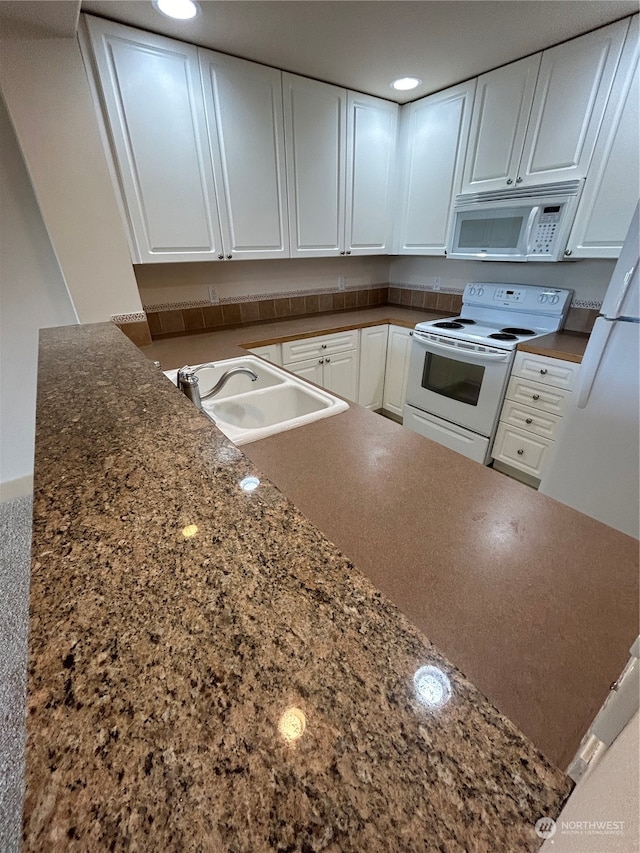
(436, 283)
(342, 282)
(214, 297)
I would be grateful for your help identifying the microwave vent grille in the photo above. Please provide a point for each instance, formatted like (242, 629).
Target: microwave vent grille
(546, 191)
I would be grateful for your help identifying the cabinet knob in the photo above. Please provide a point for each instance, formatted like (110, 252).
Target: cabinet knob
(529, 421)
(518, 180)
(348, 251)
(323, 346)
(536, 396)
(321, 361)
(221, 257)
(509, 181)
(543, 371)
(568, 252)
(521, 452)
(327, 360)
(342, 253)
(229, 257)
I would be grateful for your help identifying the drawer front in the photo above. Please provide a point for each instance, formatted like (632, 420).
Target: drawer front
(521, 449)
(538, 396)
(551, 371)
(532, 420)
(293, 351)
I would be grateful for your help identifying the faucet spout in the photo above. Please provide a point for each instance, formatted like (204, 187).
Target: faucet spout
(187, 381)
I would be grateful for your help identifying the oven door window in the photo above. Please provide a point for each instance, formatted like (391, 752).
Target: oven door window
(451, 378)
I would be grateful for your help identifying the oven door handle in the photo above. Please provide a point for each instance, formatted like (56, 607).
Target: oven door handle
(467, 354)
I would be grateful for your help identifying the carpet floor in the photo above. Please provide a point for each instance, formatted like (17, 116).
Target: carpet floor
(15, 564)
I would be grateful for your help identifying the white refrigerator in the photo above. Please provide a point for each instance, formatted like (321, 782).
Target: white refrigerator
(596, 460)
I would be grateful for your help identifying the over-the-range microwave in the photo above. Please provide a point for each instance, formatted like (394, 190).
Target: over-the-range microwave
(523, 224)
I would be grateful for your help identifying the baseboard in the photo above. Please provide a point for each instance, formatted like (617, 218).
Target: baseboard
(18, 488)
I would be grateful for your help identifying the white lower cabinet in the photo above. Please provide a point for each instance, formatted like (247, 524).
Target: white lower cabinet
(397, 369)
(270, 352)
(536, 397)
(373, 358)
(330, 361)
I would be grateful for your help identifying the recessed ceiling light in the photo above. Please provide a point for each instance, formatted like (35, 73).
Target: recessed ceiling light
(180, 9)
(403, 84)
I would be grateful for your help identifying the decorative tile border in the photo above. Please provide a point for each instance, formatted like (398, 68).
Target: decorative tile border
(593, 304)
(140, 317)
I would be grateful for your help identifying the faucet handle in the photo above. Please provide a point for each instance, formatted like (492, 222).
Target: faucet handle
(187, 382)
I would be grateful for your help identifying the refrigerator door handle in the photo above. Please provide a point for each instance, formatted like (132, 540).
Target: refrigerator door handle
(622, 293)
(593, 357)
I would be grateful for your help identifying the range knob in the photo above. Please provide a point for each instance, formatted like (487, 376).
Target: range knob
(554, 299)
(480, 291)
(472, 291)
(542, 297)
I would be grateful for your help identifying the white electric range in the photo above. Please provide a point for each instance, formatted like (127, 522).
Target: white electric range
(459, 366)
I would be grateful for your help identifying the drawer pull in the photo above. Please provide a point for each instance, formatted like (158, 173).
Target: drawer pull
(543, 370)
(536, 397)
(323, 346)
(529, 421)
(520, 452)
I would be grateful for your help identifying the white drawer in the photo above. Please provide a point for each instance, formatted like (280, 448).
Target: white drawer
(530, 419)
(551, 371)
(293, 351)
(521, 449)
(538, 396)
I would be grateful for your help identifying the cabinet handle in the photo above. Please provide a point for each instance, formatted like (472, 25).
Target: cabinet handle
(521, 452)
(529, 421)
(536, 397)
(509, 181)
(543, 370)
(518, 180)
(327, 360)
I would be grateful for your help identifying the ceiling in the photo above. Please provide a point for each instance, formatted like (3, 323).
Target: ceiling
(361, 45)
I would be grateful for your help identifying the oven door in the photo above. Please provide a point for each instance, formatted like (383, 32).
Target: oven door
(461, 382)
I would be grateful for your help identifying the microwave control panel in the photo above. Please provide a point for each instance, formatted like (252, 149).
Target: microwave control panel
(544, 232)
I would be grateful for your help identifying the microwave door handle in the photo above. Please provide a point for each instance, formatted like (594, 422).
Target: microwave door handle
(531, 221)
(454, 350)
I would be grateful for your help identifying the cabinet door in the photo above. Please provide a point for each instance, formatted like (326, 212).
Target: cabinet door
(570, 98)
(395, 379)
(315, 133)
(373, 357)
(152, 95)
(501, 110)
(372, 129)
(246, 127)
(310, 369)
(341, 374)
(434, 136)
(611, 193)
(270, 352)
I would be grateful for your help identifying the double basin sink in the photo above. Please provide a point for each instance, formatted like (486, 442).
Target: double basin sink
(247, 410)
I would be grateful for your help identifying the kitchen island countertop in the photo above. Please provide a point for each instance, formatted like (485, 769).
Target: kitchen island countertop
(208, 672)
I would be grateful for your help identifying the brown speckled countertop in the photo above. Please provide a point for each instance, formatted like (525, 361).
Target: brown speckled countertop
(536, 603)
(184, 632)
(569, 346)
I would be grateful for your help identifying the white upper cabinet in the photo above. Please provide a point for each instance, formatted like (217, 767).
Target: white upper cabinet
(151, 91)
(372, 129)
(611, 192)
(571, 94)
(433, 142)
(315, 132)
(499, 124)
(243, 103)
(536, 121)
(341, 150)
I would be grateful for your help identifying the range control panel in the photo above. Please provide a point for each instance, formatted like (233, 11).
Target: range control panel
(517, 297)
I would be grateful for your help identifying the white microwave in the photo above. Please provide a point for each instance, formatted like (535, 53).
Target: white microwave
(525, 224)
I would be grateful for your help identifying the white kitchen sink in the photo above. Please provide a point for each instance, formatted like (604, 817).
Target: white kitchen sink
(246, 410)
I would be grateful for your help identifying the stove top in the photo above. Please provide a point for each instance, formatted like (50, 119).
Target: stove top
(503, 315)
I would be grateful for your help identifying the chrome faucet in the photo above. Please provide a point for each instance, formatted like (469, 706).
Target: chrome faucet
(187, 381)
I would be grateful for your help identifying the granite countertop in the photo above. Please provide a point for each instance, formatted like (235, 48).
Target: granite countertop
(208, 672)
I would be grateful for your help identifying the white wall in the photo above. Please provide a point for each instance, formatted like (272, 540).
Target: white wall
(609, 791)
(588, 278)
(49, 101)
(32, 295)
